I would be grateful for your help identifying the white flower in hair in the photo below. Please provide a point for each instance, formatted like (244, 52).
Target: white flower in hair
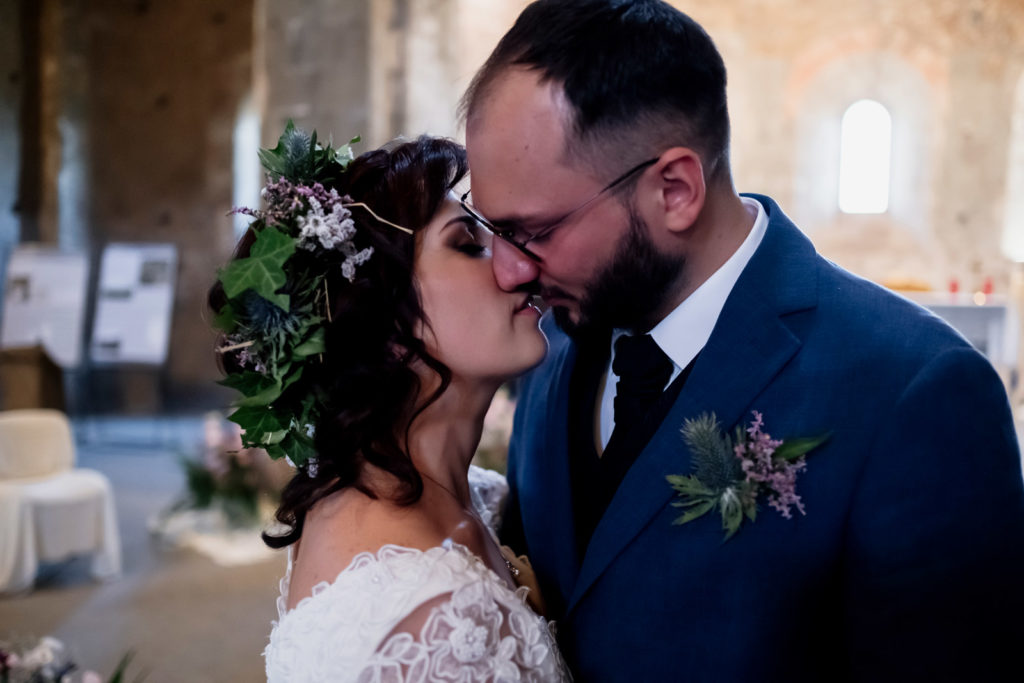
(353, 258)
(333, 230)
(327, 230)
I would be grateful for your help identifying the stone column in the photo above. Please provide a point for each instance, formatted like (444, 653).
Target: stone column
(39, 159)
(316, 58)
(12, 77)
(166, 83)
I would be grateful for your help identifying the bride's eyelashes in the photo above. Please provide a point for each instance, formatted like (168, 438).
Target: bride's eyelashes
(471, 242)
(472, 249)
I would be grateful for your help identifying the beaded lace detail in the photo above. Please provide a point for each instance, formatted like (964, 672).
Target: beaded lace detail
(403, 615)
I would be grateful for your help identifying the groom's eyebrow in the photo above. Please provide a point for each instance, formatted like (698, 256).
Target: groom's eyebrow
(522, 221)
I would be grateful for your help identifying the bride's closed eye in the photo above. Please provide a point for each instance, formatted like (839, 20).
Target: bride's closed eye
(471, 239)
(473, 249)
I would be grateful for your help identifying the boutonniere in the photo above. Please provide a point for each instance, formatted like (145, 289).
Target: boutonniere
(731, 473)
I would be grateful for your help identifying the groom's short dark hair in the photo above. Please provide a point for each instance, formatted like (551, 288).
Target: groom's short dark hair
(640, 76)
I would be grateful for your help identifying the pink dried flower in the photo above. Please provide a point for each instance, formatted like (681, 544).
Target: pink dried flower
(760, 468)
(245, 211)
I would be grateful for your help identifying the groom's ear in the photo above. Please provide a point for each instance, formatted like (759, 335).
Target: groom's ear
(680, 190)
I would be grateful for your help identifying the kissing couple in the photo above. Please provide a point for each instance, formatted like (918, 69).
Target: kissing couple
(731, 460)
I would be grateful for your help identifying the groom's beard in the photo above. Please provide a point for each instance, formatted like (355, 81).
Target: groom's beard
(629, 291)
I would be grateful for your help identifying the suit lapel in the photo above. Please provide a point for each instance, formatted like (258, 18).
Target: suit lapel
(749, 346)
(549, 524)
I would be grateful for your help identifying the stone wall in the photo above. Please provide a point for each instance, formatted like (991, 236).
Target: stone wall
(139, 106)
(149, 93)
(947, 71)
(314, 66)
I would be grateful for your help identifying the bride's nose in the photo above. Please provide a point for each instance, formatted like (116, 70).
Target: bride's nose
(512, 268)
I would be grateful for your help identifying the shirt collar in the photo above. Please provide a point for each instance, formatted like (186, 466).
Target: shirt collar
(685, 331)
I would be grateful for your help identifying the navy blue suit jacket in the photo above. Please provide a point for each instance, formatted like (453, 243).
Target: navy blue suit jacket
(909, 563)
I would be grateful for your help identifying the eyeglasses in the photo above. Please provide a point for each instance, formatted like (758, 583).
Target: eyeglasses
(519, 237)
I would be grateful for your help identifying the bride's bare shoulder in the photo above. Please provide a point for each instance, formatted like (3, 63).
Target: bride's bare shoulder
(347, 523)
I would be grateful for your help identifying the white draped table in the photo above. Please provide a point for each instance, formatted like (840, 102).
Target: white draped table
(53, 518)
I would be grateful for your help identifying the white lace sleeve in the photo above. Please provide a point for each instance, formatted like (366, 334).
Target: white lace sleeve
(488, 490)
(479, 633)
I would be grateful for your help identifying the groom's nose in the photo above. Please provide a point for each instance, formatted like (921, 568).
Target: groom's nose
(512, 268)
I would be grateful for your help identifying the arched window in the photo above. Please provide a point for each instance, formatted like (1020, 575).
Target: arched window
(865, 158)
(1013, 221)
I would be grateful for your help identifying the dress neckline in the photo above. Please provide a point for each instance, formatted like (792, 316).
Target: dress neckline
(372, 558)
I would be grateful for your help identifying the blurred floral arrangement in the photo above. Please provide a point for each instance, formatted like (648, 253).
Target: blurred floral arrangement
(492, 452)
(241, 483)
(47, 661)
(228, 489)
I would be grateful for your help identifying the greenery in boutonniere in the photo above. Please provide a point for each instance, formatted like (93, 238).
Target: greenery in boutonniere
(276, 297)
(731, 472)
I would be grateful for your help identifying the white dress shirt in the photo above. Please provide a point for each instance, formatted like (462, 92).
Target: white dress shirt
(684, 332)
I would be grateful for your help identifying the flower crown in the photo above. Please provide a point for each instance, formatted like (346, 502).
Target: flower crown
(276, 297)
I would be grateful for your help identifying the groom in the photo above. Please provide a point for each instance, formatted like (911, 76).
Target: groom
(598, 135)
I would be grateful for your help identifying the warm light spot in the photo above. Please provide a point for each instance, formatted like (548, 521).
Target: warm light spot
(980, 298)
(864, 158)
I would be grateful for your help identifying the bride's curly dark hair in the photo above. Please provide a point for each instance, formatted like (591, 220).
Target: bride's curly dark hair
(366, 380)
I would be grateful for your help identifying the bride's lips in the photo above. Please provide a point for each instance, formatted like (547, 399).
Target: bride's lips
(526, 305)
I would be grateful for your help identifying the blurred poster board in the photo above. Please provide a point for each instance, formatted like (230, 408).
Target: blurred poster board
(134, 302)
(44, 302)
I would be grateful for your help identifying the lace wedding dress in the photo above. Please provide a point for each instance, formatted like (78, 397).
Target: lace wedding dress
(401, 615)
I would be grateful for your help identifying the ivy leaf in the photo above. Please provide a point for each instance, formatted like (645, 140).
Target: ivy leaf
(700, 509)
(313, 345)
(256, 388)
(791, 449)
(261, 425)
(298, 447)
(272, 438)
(225, 319)
(343, 155)
(291, 376)
(263, 270)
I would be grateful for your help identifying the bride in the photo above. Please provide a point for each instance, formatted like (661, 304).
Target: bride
(372, 373)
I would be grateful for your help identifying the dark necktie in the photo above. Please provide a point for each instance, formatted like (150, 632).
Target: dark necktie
(643, 371)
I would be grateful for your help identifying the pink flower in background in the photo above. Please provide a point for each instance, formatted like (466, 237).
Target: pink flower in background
(213, 443)
(222, 440)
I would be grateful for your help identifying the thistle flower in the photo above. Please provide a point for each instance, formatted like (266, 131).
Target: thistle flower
(264, 319)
